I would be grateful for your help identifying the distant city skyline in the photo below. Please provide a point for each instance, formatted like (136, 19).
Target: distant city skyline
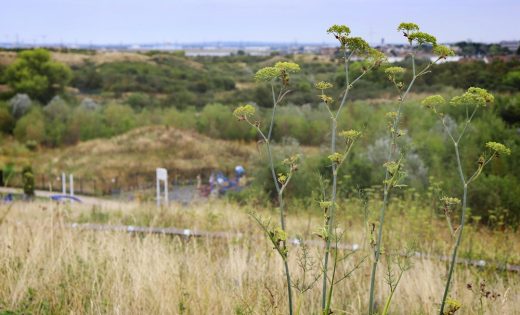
(194, 21)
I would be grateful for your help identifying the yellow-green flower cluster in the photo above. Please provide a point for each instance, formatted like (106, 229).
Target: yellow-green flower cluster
(422, 38)
(433, 101)
(341, 33)
(325, 204)
(267, 74)
(280, 70)
(357, 45)
(391, 115)
(450, 201)
(350, 134)
(412, 33)
(289, 67)
(443, 51)
(282, 178)
(408, 27)
(244, 111)
(323, 85)
(452, 306)
(393, 71)
(292, 162)
(339, 30)
(499, 148)
(326, 99)
(474, 96)
(336, 157)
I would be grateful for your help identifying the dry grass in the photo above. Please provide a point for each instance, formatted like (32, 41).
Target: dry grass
(47, 267)
(139, 151)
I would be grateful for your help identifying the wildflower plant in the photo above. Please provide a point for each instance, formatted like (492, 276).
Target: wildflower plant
(472, 100)
(394, 173)
(372, 59)
(278, 76)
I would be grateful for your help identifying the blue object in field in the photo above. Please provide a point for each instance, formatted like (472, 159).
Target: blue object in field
(239, 171)
(65, 197)
(8, 197)
(225, 183)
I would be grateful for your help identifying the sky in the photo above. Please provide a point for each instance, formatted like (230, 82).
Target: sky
(187, 21)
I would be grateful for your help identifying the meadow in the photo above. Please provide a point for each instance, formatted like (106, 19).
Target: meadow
(351, 164)
(48, 267)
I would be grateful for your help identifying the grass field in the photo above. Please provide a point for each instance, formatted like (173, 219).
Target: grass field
(48, 268)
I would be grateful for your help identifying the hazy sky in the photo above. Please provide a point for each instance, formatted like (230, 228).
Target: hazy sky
(145, 21)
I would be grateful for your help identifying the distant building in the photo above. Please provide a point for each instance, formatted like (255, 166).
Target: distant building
(328, 51)
(512, 45)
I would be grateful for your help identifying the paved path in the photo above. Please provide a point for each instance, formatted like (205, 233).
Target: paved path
(88, 200)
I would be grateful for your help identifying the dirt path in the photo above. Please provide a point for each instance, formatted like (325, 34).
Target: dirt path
(87, 200)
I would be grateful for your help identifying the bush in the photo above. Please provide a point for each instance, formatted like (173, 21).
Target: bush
(7, 121)
(31, 127)
(28, 181)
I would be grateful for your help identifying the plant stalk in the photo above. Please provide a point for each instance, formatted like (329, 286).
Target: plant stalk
(461, 229)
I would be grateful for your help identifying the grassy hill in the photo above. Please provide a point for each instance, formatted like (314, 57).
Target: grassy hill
(136, 153)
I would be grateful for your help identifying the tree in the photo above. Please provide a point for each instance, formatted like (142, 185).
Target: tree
(34, 73)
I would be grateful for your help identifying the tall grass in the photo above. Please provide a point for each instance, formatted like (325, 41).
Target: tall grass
(48, 268)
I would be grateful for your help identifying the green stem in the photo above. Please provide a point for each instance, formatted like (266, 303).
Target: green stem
(459, 236)
(330, 220)
(377, 251)
(329, 298)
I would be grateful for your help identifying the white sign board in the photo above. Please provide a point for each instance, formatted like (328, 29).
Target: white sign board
(162, 176)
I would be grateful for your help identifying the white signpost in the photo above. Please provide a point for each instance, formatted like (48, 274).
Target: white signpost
(162, 176)
(64, 184)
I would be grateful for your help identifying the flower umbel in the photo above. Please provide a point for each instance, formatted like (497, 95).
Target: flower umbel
(433, 101)
(336, 157)
(474, 96)
(350, 134)
(443, 51)
(408, 27)
(323, 85)
(498, 148)
(244, 111)
(267, 74)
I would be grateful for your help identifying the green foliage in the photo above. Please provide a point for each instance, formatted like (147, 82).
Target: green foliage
(28, 181)
(35, 73)
(217, 120)
(119, 118)
(31, 127)
(7, 122)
